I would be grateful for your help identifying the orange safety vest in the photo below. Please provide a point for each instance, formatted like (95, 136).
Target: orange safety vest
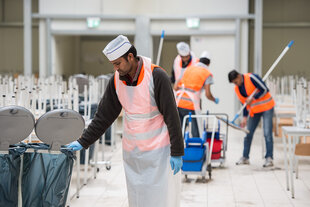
(188, 96)
(262, 104)
(177, 66)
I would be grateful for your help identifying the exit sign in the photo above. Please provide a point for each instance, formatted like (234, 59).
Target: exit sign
(93, 22)
(193, 22)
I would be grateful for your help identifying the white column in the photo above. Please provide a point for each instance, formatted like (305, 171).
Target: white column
(258, 33)
(27, 38)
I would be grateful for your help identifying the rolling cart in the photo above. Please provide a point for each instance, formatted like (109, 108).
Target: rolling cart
(220, 139)
(197, 153)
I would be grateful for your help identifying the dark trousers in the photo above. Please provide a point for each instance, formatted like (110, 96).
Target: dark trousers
(183, 112)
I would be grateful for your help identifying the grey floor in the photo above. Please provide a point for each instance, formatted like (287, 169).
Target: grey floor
(232, 185)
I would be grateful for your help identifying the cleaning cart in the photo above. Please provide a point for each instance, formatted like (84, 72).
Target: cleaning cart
(220, 139)
(197, 153)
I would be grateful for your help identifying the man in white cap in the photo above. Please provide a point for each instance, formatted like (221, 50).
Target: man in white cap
(184, 59)
(152, 136)
(196, 78)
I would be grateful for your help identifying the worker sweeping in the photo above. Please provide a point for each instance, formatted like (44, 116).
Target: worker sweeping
(152, 139)
(195, 79)
(259, 105)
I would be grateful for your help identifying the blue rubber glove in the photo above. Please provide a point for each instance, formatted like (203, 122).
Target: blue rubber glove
(217, 100)
(75, 146)
(176, 163)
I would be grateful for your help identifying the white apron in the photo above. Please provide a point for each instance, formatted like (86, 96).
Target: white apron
(146, 146)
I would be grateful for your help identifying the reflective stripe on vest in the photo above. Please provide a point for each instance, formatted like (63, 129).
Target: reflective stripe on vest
(188, 97)
(262, 104)
(144, 126)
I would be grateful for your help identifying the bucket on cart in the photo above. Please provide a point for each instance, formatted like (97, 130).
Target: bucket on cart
(217, 148)
(194, 153)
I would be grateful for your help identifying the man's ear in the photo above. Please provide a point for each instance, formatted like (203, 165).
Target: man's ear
(130, 57)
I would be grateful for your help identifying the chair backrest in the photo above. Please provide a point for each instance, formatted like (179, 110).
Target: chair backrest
(103, 81)
(81, 81)
(59, 127)
(302, 149)
(16, 124)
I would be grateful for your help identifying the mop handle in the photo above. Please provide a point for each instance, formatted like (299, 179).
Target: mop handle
(160, 46)
(267, 74)
(278, 60)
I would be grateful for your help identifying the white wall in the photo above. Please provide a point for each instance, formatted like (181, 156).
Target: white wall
(173, 7)
(70, 6)
(12, 39)
(138, 7)
(65, 55)
(221, 49)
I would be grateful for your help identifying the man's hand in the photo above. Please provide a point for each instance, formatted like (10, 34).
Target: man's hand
(249, 101)
(243, 122)
(176, 163)
(75, 146)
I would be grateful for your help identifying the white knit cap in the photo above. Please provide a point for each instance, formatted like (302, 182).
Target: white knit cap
(117, 47)
(205, 54)
(183, 49)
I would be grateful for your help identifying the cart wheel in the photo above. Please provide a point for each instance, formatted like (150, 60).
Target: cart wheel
(108, 167)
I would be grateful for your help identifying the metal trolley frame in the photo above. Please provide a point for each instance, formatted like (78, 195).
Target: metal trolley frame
(224, 138)
(207, 163)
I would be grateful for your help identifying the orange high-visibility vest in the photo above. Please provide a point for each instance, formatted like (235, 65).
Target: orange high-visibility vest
(177, 66)
(262, 104)
(144, 126)
(193, 80)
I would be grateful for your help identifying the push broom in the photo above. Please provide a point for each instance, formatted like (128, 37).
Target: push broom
(232, 123)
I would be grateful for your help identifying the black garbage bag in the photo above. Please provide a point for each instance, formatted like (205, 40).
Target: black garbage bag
(46, 179)
(9, 171)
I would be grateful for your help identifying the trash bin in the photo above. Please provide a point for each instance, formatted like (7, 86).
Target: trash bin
(16, 123)
(46, 177)
(9, 171)
(47, 169)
